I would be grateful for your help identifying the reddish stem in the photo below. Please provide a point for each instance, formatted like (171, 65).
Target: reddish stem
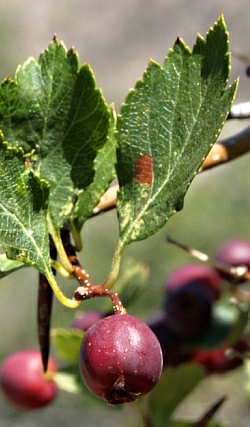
(83, 293)
(87, 288)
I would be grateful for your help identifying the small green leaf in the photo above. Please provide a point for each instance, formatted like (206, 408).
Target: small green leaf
(175, 384)
(23, 209)
(68, 382)
(8, 266)
(67, 343)
(166, 128)
(69, 379)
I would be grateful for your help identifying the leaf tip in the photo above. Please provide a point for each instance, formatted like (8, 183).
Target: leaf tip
(180, 43)
(177, 41)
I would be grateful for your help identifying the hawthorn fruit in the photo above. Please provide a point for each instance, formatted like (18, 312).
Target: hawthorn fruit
(24, 383)
(207, 277)
(190, 292)
(120, 359)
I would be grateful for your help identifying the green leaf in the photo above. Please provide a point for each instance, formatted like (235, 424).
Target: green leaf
(175, 384)
(166, 128)
(23, 216)
(8, 266)
(67, 343)
(55, 112)
(104, 166)
(23, 209)
(69, 379)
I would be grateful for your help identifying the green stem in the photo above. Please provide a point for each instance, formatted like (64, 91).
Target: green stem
(61, 270)
(70, 303)
(115, 267)
(76, 237)
(55, 234)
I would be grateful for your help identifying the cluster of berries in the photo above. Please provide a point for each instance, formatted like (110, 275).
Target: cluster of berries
(121, 357)
(190, 293)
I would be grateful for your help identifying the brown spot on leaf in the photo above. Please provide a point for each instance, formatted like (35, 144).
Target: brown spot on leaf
(144, 169)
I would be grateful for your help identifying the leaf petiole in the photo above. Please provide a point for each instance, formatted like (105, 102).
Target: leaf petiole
(115, 266)
(70, 303)
(55, 234)
(61, 270)
(76, 237)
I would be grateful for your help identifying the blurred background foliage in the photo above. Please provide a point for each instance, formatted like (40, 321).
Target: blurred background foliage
(117, 38)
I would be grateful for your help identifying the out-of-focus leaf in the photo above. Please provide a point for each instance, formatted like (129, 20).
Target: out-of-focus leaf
(130, 283)
(174, 385)
(69, 379)
(67, 343)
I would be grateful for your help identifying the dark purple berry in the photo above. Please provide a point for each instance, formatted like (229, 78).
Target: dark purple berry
(207, 277)
(190, 293)
(173, 350)
(189, 311)
(120, 359)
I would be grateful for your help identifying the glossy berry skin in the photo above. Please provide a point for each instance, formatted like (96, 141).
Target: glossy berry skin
(24, 383)
(207, 277)
(87, 319)
(120, 359)
(235, 252)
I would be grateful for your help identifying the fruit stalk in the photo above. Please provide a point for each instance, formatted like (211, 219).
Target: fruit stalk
(87, 292)
(87, 288)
